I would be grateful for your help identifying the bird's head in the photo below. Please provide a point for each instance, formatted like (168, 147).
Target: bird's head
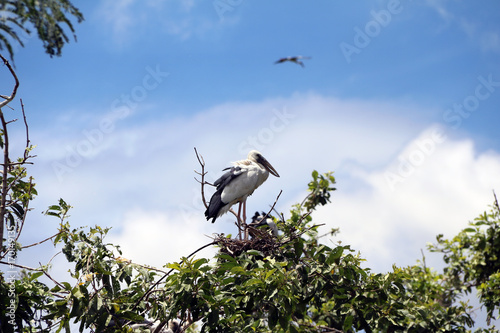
(257, 157)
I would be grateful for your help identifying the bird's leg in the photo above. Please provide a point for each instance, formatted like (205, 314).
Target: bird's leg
(239, 220)
(245, 218)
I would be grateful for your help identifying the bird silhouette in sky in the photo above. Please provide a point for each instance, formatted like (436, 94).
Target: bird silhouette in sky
(295, 59)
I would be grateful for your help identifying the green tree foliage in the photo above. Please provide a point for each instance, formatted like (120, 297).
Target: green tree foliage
(47, 17)
(294, 285)
(473, 260)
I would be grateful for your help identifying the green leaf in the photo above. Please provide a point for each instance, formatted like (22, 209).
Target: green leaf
(284, 322)
(199, 262)
(255, 253)
(130, 315)
(251, 282)
(273, 316)
(348, 323)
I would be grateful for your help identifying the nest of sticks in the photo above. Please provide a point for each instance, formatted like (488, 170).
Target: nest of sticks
(261, 240)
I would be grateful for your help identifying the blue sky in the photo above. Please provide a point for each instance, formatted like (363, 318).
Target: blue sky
(408, 120)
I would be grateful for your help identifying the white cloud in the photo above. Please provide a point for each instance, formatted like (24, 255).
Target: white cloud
(487, 40)
(390, 225)
(182, 19)
(119, 15)
(156, 237)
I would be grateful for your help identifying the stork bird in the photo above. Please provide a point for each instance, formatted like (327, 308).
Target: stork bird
(295, 59)
(259, 221)
(237, 184)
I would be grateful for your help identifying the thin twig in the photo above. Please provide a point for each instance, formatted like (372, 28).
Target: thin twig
(423, 260)
(8, 99)
(265, 217)
(202, 174)
(40, 242)
(21, 266)
(48, 263)
(160, 327)
(50, 277)
(128, 261)
(496, 200)
(274, 204)
(295, 236)
(5, 170)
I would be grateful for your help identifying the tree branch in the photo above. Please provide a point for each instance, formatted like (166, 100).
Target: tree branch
(6, 161)
(202, 174)
(40, 242)
(496, 201)
(21, 266)
(9, 99)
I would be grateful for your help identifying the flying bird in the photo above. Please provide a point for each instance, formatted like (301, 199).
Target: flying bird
(295, 59)
(237, 184)
(259, 221)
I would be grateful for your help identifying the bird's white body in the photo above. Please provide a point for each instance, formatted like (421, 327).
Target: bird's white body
(250, 176)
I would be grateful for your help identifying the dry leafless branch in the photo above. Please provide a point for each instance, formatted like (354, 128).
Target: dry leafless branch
(202, 174)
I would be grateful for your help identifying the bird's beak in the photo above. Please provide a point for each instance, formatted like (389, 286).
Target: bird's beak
(270, 168)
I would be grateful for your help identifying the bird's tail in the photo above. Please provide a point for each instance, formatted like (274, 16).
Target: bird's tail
(214, 206)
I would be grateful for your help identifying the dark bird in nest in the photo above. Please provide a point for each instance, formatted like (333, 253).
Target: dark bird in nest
(259, 221)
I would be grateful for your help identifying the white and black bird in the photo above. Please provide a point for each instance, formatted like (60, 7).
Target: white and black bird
(295, 59)
(237, 184)
(260, 220)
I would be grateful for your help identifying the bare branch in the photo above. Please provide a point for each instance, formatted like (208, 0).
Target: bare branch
(8, 99)
(6, 160)
(50, 277)
(26, 151)
(160, 327)
(274, 204)
(21, 266)
(5, 170)
(202, 174)
(40, 242)
(265, 217)
(496, 201)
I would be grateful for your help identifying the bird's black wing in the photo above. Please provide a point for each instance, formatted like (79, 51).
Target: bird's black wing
(216, 203)
(228, 177)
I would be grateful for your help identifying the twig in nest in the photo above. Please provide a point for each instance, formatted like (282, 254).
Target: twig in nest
(263, 242)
